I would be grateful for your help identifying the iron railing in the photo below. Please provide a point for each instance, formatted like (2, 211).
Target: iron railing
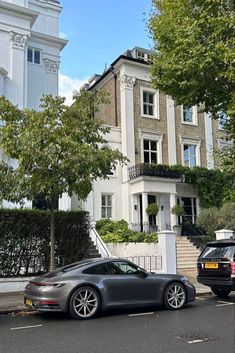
(149, 263)
(154, 170)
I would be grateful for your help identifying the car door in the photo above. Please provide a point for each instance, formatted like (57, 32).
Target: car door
(125, 285)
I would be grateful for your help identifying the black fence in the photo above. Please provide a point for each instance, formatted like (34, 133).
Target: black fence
(155, 170)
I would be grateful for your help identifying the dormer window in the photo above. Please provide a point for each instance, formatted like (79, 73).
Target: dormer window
(144, 56)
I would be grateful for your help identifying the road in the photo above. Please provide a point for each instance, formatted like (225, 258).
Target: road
(205, 326)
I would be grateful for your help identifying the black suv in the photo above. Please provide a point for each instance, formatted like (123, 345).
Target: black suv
(216, 266)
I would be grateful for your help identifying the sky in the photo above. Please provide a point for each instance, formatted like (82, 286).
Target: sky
(98, 32)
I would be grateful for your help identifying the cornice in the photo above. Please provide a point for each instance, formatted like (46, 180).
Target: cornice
(19, 10)
(59, 42)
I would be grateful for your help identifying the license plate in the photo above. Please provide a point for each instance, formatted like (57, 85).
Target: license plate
(212, 265)
(28, 302)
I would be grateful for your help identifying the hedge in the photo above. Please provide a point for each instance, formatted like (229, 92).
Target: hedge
(25, 240)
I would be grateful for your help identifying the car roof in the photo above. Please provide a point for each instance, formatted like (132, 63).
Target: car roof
(225, 242)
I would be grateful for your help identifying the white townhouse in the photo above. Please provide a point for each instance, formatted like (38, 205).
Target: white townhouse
(149, 129)
(30, 49)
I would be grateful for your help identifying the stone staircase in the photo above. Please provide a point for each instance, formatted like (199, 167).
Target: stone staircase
(92, 251)
(186, 254)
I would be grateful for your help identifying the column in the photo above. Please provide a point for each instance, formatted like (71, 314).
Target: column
(128, 138)
(145, 218)
(167, 250)
(209, 141)
(18, 75)
(224, 234)
(173, 202)
(171, 131)
(52, 69)
(127, 121)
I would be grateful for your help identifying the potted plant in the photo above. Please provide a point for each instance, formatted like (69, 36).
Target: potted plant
(152, 210)
(178, 210)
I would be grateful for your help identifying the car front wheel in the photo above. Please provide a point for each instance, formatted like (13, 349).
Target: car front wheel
(84, 303)
(222, 293)
(174, 296)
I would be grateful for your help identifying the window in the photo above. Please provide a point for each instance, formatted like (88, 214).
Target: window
(122, 268)
(144, 56)
(106, 206)
(34, 56)
(189, 115)
(150, 151)
(151, 146)
(222, 120)
(190, 151)
(100, 269)
(189, 155)
(190, 209)
(149, 103)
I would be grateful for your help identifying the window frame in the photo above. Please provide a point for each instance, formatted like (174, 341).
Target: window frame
(158, 138)
(222, 121)
(155, 102)
(106, 206)
(194, 121)
(33, 56)
(188, 141)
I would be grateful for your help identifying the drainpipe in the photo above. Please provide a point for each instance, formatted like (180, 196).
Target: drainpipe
(115, 94)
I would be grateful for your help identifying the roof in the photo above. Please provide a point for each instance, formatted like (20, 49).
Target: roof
(128, 55)
(221, 242)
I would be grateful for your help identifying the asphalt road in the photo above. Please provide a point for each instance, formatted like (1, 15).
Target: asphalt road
(205, 326)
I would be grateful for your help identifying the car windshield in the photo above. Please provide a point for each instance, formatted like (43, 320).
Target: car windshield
(219, 251)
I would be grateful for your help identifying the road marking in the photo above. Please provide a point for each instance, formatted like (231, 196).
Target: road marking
(199, 298)
(25, 327)
(224, 303)
(195, 341)
(142, 314)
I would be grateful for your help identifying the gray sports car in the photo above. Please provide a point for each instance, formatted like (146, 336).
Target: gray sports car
(86, 287)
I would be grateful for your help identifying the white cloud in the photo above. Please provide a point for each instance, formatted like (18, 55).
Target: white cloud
(67, 85)
(63, 35)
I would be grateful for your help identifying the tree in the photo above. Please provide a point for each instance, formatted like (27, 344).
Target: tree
(57, 148)
(194, 57)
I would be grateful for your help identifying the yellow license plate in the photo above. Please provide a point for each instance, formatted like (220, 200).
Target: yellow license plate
(212, 265)
(28, 302)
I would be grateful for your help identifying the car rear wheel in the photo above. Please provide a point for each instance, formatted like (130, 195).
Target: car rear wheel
(222, 293)
(174, 296)
(84, 303)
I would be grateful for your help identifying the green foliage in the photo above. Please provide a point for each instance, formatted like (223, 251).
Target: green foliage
(177, 210)
(194, 51)
(57, 148)
(118, 232)
(194, 58)
(213, 219)
(213, 186)
(152, 209)
(25, 236)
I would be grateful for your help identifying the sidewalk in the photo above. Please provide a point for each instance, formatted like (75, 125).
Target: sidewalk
(14, 302)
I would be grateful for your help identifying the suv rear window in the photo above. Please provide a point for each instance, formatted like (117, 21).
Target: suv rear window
(219, 251)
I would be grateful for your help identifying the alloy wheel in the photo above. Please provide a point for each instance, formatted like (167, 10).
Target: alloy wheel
(84, 303)
(175, 296)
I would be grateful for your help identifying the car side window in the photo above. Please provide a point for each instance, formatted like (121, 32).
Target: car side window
(122, 268)
(100, 269)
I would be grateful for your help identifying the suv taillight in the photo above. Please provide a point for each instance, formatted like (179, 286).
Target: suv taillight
(232, 267)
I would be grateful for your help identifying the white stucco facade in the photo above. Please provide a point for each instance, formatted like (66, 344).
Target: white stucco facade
(29, 52)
